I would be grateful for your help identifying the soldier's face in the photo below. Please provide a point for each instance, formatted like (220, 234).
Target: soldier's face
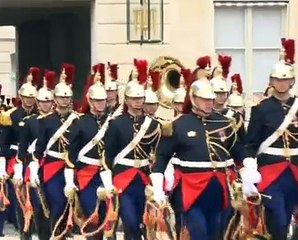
(45, 106)
(62, 102)
(281, 85)
(28, 102)
(111, 95)
(203, 105)
(134, 102)
(221, 97)
(178, 107)
(150, 108)
(98, 105)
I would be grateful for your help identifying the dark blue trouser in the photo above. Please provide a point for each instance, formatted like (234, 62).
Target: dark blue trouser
(42, 223)
(203, 218)
(2, 221)
(11, 210)
(279, 209)
(54, 193)
(132, 203)
(88, 199)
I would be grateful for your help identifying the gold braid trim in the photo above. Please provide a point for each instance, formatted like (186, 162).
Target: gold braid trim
(158, 219)
(5, 118)
(23, 198)
(65, 222)
(42, 201)
(109, 223)
(28, 209)
(4, 201)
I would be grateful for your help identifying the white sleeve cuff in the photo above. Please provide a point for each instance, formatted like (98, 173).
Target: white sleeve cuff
(250, 163)
(2, 165)
(69, 176)
(106, 178)
(157, 181)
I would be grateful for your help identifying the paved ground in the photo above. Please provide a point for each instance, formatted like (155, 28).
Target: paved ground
(11, 234)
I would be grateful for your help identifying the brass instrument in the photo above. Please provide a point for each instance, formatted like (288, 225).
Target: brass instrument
(169, 69)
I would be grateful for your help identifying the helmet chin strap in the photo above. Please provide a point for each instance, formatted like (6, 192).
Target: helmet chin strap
(196, 108)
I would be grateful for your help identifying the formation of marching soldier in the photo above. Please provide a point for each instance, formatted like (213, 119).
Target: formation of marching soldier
(200, 176)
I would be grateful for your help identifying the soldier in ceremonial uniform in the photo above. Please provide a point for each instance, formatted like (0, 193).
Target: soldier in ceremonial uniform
(130, 142)
(235, 100)
(203, 144)
(272, 146)
(86, 148)
(112, 88)
(2, 212)
(12, 121)
(220, 88)
(28, 138)
(180, 92)
(57, 172)
(151, 101)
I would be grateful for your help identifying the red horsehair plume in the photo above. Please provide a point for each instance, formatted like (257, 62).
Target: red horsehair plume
(113, 71)
(225, 62)
(142, 67)
(50, 77)
(76, 106)
(84, 103)
(236, 79)
(186, 73)
(35, 71)
(16, 102)
(204, 62)
(100, 67)
(289, 47)
(155, 77)
(69, 71)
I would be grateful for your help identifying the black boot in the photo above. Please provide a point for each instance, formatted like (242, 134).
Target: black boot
(42, 225)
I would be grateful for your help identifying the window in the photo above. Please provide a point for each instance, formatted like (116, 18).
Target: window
(250, 32)
(145, 21)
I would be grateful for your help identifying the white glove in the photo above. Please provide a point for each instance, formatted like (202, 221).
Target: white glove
(18, 172)
(169, 177)
(159, 195)
(3, 173)
(249, 189)
(106, 178)
(249, 173)
(70, 187)
(34, 166)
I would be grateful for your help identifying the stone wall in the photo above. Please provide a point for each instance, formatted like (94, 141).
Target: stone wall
(7, 47)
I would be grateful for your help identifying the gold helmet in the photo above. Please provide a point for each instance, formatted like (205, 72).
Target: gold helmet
(138, 77)
(28, 89)
(284, 68)
(235, 99)
(63, 88)
(151, 88)
(97, 91)
(220, 74)
(111, 84)
(45, 93)
(202, 72)
(94, 88)
(202, 89)
(180, 93)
